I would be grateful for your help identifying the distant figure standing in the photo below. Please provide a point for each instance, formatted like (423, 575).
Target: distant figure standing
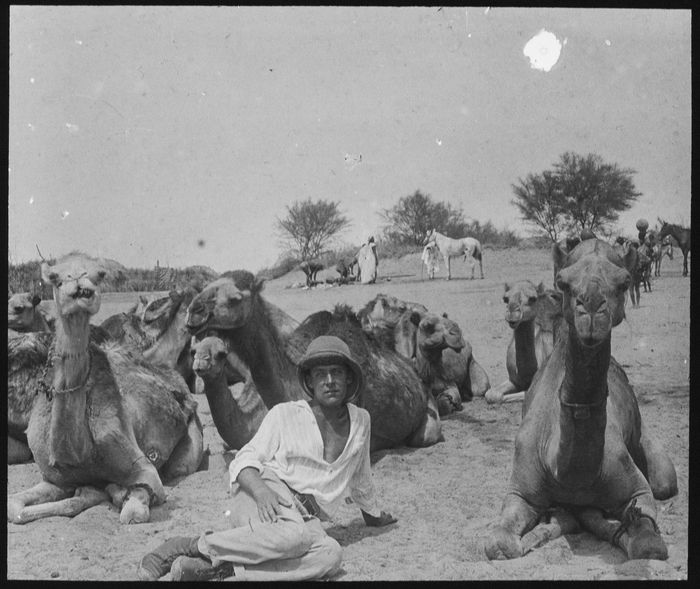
(368, 262)
(431, 259)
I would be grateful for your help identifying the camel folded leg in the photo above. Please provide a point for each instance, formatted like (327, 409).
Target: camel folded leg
(637, 534)
(47, 500)
(430, 430)
(517, 517)
(558, 523)
(478, 379)
(187, 455)
(506, 392)
(659, 470)
(17, 452)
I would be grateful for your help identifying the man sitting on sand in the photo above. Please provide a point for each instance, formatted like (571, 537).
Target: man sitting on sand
(295, 472)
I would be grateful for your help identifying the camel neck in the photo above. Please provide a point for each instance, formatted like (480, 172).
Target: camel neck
(228, 417)
(582, 414)
(259, 345)
(168, 345)
(69, 440)
(525, 356)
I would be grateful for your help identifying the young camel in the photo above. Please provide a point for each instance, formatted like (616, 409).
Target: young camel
(102, 416)
(533, 313)
(238, 417)
(582, 452)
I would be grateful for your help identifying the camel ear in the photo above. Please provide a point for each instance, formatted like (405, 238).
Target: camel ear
(506, 287)
(143, 299)
(36, 299)
(540, 288)
(257, 286)
(48, 275)
(559, 257)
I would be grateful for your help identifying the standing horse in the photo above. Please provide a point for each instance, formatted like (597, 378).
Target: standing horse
(469, 247)
(681, 235)
(661, 249)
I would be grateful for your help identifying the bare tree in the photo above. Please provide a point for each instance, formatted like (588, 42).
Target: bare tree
(310, 226)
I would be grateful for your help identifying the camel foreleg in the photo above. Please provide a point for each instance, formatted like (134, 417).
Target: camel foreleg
(517, 517)
(47, 500)
(636, 534)
(658, 468)
(558, 523)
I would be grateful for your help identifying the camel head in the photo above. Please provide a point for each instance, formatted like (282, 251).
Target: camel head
(384, 311)
(593, 279)
(21, 308)
(521, 301)
(75, 279)
(158, 314)
(208, 357)
(436, 333)
(548, 308)
(223, 304)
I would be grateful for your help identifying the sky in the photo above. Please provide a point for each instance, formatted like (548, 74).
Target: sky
(181, 134)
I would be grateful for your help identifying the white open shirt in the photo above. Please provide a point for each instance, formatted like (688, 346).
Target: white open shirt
(289, 443)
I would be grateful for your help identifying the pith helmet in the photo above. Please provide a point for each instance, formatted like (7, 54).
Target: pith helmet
(329, 349)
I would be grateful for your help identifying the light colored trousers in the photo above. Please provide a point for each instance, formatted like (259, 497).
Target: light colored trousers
(289, 549)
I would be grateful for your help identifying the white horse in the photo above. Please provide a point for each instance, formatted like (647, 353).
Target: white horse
(469, 247)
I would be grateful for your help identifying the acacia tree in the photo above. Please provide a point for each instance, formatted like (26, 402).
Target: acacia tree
(310, 226)
(541, 203)
(581, 192)
(595, 192)
(414, 216)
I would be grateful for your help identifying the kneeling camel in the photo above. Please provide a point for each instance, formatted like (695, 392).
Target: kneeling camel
(582, 448)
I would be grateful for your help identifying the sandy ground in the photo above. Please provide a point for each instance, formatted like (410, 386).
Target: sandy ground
(445, 496)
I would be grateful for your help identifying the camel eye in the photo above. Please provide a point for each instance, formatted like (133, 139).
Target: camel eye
(531, 300)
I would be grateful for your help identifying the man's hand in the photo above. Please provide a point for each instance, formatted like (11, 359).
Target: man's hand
(384, 519)
(268, 501)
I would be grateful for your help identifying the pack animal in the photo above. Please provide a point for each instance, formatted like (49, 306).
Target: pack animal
(582, 452)
(468, 247)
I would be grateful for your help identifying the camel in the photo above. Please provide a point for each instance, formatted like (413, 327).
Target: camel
(24, 313)
(582, 449)
(681, 235)
(660, 249)
(105, 423)
(431, 258)
(626, 247)
(402, 410)
(367, 262)
(238, 417)
(533, 313)
(310, 269)
(469, 247)
(397, 324)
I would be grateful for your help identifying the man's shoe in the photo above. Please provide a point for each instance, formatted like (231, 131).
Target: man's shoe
(186, 568)
(157, 563)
